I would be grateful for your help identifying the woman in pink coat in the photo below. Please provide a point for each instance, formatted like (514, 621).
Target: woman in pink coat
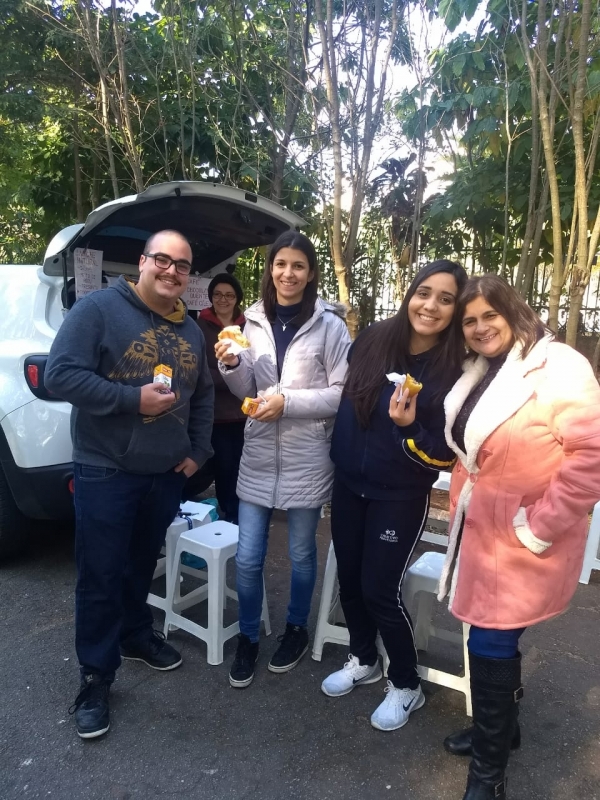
(524, 421)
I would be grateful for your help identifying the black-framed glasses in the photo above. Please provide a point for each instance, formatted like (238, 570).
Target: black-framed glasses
(163, 261)
(226, 296)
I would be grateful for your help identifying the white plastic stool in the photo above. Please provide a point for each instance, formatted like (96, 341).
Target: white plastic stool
(330, 612)
(216, 543)
(197, 514)
(591, 559)
(422, 579)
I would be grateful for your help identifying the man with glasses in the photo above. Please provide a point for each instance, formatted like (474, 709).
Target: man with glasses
(133, 365)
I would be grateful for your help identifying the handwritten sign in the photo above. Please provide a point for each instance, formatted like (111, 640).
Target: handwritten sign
(88, 271)
(196, 295)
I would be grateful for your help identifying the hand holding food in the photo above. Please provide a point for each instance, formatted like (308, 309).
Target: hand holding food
(403, 407)
(270, 409)
(234, 333)
(406, 381)
(155, 400)
(224, 356)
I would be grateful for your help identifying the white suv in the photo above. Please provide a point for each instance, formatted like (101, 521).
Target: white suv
(35, 442)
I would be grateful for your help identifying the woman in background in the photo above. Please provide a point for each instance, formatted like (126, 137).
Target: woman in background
(226, 296)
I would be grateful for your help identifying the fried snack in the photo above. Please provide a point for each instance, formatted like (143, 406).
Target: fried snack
(413, 386)
(250, 405)
(234, 332)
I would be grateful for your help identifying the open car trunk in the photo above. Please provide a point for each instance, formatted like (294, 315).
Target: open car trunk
(219, 222)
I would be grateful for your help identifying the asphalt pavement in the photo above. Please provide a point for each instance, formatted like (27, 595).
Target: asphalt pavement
(186, 734)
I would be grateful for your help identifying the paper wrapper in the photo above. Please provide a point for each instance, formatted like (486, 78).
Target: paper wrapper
(234, 347)
(396, 378)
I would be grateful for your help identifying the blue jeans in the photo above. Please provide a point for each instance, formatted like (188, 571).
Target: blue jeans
(491, 643)
(250, 559)
(121, 523)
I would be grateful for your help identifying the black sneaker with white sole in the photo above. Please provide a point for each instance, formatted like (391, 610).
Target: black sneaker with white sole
(294, 644)
(154, 651)
(241, 673)
(91, 707)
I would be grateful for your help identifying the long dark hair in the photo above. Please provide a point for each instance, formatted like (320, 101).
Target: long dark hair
(524, 323)
(384, 347)
(297, 241)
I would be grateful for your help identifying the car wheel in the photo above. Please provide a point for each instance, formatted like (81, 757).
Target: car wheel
(13, 524)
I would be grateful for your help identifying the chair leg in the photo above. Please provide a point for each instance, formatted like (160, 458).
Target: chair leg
(265, 612)
(325, 604)
(466, 627)
(172, 576)
(216, 582)
(423, 621)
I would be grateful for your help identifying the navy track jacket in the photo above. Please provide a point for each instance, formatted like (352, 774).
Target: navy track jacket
(389, 462)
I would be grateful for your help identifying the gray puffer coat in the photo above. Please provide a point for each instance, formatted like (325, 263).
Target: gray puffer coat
(286, 464)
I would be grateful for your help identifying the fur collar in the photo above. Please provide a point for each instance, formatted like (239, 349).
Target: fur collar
(505, 395)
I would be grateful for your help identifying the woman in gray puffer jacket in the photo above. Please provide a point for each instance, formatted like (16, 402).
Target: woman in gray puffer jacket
(296, 365)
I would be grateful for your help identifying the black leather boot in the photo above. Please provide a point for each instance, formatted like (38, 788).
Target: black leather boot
(459, 743)
(495, 693)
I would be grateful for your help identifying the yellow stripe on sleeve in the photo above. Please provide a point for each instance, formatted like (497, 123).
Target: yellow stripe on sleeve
(424, 457)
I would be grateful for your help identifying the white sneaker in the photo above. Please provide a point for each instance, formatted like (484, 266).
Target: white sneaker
(397, 707)
(352, 674)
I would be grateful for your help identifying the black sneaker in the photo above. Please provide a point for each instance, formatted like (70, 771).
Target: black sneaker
(91, 707)
(241, 673)
(294, 644)
(153, 651)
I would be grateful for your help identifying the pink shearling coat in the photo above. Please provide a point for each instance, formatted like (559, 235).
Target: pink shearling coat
(524, 487)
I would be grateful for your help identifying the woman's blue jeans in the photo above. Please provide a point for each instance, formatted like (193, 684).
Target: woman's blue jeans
(492, 643)
(250, 559)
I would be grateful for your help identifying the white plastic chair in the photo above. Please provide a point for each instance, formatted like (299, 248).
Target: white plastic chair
(194, 514)
(331, 624)
(216, 543)
(591, 559)
(421, 585)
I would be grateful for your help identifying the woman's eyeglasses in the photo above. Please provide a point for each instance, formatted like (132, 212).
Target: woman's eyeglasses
(164, 262)
(226, 296)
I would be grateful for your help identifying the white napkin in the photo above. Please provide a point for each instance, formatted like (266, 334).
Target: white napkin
(234, 347)
(396, 378)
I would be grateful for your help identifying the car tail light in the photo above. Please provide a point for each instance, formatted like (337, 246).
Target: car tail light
(33, 376)
(71, 486)
(35, 367)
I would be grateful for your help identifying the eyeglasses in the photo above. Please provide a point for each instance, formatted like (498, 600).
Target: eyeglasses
(226, 296)
(163, 261)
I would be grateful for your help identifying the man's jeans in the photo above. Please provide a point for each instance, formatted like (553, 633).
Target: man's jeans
(250, 559)
(121, 522)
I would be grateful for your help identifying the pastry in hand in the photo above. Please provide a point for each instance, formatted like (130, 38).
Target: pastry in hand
(413, 386)
(234, 332)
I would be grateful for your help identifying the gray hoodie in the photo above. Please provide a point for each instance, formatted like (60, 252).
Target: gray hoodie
(104, 352)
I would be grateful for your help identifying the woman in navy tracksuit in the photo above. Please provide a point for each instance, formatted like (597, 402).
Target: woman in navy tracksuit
(388, 450)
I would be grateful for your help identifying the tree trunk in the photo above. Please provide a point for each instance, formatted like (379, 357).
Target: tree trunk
(124, 101)
(532, 217)
(581, 274)
(295, 88)
(325, 26)
(537, 60)
(112, 170)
